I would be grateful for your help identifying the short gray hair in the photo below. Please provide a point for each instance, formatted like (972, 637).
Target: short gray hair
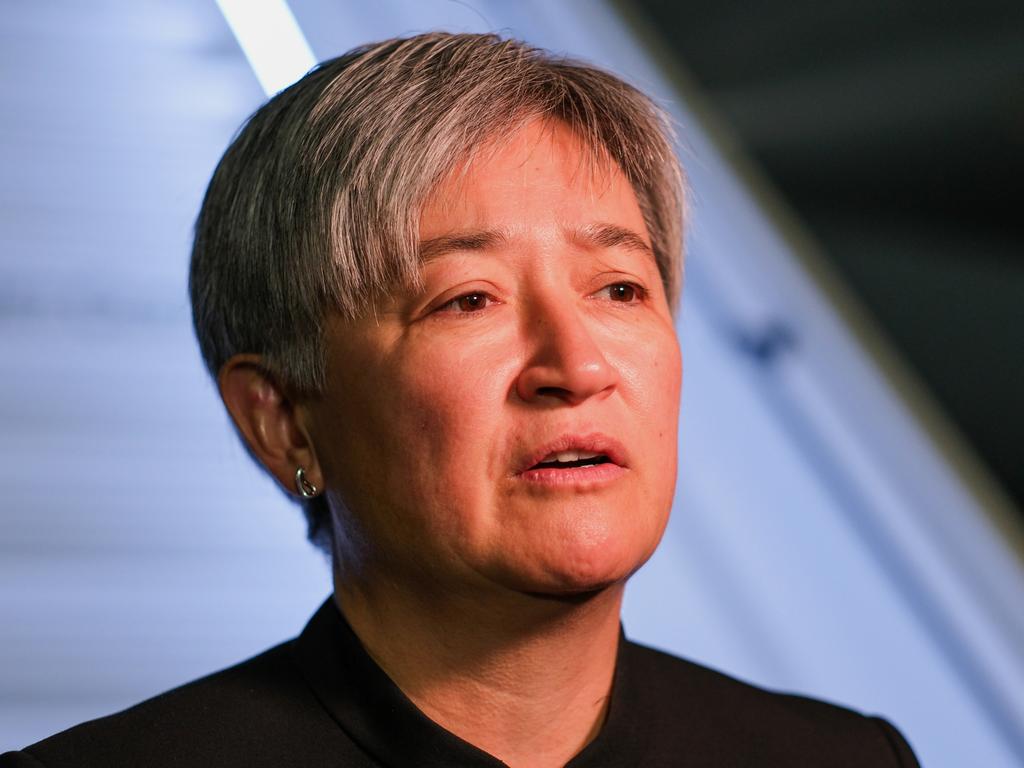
(314, 208)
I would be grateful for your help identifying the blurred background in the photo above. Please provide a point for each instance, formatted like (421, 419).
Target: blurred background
(895, 131)
(848, 514)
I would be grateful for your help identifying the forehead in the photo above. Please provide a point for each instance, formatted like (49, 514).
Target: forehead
(541, 177)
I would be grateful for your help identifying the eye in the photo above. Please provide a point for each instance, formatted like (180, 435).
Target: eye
(625, 293)
(466, 303)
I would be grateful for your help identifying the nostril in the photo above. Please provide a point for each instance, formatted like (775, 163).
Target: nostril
(551, 381)
(553, 391)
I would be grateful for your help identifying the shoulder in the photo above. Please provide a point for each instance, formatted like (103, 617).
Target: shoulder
(752, 725)
(259, 712)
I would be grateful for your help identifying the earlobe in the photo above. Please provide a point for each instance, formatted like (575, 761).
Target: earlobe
(268, 421)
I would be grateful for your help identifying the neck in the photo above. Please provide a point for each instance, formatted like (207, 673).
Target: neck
(524, 678)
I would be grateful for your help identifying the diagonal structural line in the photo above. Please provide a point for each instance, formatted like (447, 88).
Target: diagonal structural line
(270, 39)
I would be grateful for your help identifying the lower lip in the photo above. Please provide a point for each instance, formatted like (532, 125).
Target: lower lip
(595, 474)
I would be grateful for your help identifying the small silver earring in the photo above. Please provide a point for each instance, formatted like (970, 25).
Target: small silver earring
(305, 488)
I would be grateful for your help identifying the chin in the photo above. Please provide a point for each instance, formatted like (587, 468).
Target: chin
(582, 569)
(582, 550)
(570, 598)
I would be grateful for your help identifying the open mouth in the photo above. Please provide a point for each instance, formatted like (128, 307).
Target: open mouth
(578, 461)
(570, 459)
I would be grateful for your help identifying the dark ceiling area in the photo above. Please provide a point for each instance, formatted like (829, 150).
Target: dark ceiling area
(895, 130)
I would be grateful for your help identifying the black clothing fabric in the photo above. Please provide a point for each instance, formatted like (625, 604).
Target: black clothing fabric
(320, 700)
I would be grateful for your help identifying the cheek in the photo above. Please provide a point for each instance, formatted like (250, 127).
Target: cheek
(668, 365)
(405, 464)
(450, 405)
(652, 381)
(668, 368)
(652, 378)
(449, 421)
(457, 394)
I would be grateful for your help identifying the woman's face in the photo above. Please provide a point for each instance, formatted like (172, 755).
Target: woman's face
(513, 424)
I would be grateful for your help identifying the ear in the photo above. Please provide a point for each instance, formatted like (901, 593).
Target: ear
(269, 421)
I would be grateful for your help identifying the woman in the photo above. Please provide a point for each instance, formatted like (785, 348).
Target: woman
(435, 282)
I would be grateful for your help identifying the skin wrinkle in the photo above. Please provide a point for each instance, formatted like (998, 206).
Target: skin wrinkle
(593, 236)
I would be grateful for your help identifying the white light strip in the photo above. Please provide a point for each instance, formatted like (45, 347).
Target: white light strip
(271, 40)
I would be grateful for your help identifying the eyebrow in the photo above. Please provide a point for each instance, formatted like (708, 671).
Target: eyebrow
(476, 240)
(598, 235)
(610, 236)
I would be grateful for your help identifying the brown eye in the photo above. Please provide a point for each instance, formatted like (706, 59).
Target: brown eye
(471, 302)
(622, 292)
(467, 303)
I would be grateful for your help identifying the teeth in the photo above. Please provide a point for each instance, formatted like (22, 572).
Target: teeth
(564, 457)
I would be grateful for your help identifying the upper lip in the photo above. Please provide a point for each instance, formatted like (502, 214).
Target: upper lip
(594, 442)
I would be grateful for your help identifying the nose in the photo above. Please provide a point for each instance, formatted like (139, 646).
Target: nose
(567, 363)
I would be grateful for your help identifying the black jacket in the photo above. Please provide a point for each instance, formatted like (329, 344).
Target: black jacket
(319, 700)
